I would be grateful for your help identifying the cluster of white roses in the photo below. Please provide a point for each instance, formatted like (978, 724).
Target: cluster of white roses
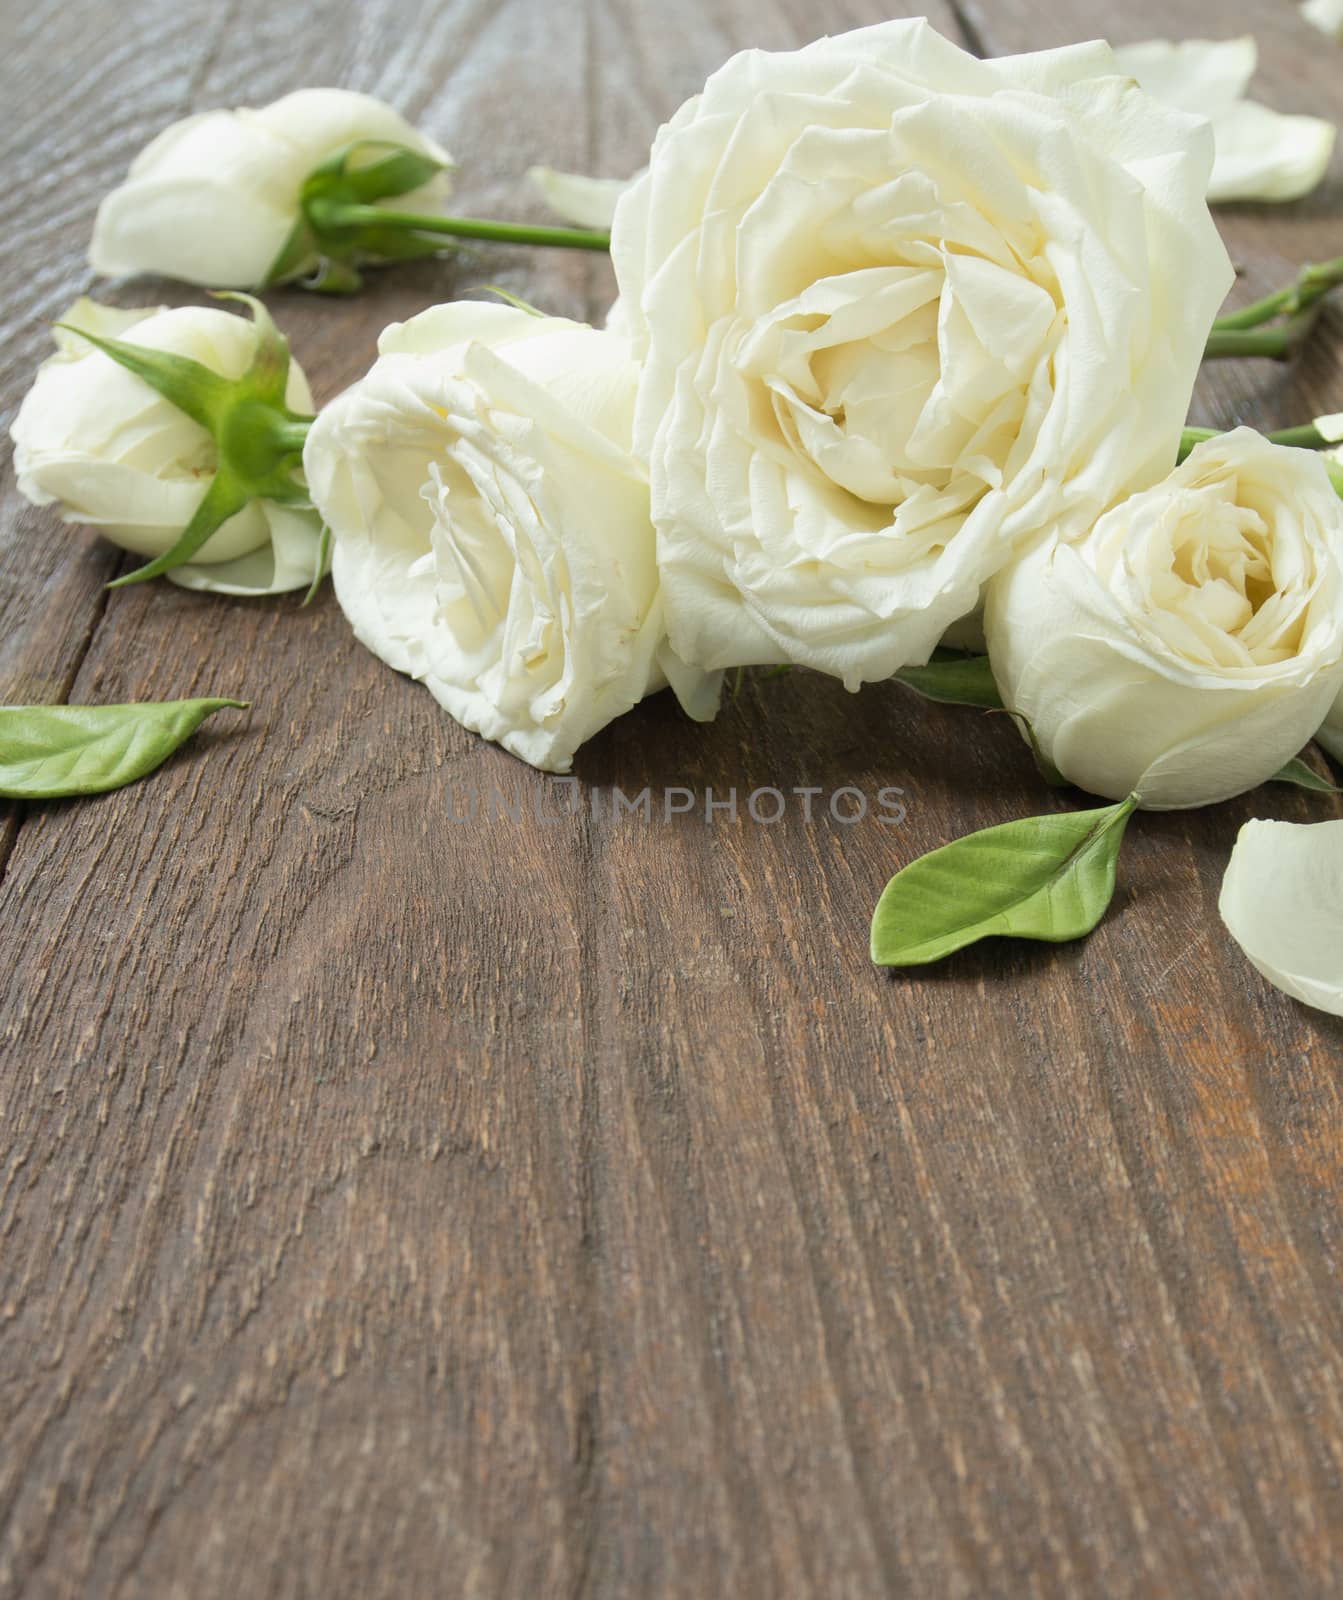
(897, 328)
(903, 338)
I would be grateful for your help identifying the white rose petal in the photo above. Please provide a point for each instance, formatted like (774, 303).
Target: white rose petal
(1261, 154)
(214, 198)
(492, 536)
(98, 442)
(586, 202)
(1282, 902)
(901, 312)
(288, 560)
(1191, 644)
(1326, 15)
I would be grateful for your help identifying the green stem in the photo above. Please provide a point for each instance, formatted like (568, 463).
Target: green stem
(334, 214)
(1193, 436)
(1275, 342)
(292, 435)
(1312, 283)
(1306, 436)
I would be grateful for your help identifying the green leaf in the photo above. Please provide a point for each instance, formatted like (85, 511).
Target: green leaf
(1047, 878)
(954, 679)
(1296, 771)
(50, 752)
(223, 499)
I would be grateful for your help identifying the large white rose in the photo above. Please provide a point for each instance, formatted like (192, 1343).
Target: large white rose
(901, 311)
(492, 536)
(214, 198)
(115, 455)
(1189, 646)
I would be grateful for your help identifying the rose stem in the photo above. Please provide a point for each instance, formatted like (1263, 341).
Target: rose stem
(1312, 283)
(338, 215)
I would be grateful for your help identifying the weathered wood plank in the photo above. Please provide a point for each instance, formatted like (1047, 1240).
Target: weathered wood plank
(423, 1207)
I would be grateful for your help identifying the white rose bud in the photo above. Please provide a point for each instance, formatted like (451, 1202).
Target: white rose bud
(215, 199)
(492, 536)
(97, 441)
(1190, 644)
(900, 312)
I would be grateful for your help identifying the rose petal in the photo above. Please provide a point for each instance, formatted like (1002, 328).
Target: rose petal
(1282, 902)
(1261, 154)
(1264, 155)
(1326, 15)
(589, 202)
(287, 562)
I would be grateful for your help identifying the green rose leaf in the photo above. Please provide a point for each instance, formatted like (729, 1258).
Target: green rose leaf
(1047, 878)
(52, 752)
(954, 679)
(1296, 771)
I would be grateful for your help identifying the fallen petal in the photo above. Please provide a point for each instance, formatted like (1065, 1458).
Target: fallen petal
(586, 202)
(1282, 901)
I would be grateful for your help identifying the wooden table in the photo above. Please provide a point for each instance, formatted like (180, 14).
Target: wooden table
(396, 1207)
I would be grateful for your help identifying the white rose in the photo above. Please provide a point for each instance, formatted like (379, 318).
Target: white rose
(214, 199)
(492, 536)
(1189, 646)
(98, 442)
(901, 311)
(1261, 154)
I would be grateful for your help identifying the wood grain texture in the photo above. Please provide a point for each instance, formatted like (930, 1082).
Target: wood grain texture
(393, 1207)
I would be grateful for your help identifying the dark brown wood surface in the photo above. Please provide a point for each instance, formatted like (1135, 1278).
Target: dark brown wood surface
(398, 1207)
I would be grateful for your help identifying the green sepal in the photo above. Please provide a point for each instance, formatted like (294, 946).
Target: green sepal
(299, 258)
(203, 395)
(322, 568)
(334, 278)
(511, 299)
(324, 253)
(955, 679)
(224, 498)
(267, 379)
(1048, 878)
(399, 171)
